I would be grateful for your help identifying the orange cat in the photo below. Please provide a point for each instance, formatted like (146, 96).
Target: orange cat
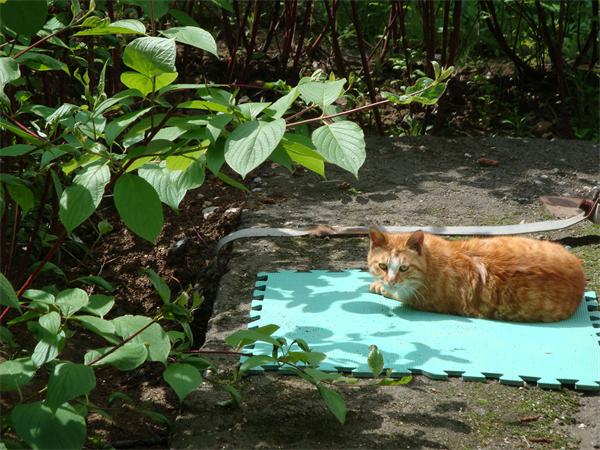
(505, 278)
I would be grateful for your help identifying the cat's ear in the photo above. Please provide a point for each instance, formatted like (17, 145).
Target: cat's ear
(415, 241)
(377, 236)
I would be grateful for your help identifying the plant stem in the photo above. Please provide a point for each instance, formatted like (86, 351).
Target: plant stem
(343, 113)
(365, 64)
(39, 268)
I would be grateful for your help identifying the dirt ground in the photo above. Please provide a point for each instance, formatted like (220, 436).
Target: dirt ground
(406, 181)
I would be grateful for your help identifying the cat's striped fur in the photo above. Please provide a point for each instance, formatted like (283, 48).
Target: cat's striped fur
(505, 278)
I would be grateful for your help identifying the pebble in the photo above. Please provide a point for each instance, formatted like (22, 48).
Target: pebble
(257, 189)
(178, 248)
(207, 212)
(257, 180)
(232, 210)
(468, 155)
(581, 425)
(544, 176)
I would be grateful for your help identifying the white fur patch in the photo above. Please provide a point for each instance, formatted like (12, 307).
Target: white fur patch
(481, 269)
(394, 266)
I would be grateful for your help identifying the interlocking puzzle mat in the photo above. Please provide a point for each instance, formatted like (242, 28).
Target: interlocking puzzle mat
(335, 313)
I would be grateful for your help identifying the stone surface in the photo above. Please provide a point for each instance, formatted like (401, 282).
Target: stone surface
(405, 181)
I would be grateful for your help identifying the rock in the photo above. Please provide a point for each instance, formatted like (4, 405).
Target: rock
(257, 189)
(257, 180)
(207, 212)
(232, 211)
(179, 248)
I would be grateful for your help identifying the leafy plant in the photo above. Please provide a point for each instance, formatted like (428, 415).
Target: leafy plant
(136, 140)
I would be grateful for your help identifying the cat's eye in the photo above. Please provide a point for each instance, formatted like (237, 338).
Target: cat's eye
(383, 266)
(403, 268)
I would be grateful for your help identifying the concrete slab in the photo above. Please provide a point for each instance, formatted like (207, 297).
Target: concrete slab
(406, 181)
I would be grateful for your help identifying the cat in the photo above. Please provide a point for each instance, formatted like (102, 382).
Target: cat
(503, 278)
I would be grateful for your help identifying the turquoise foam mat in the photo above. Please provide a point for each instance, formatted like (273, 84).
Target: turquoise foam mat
(335, 313)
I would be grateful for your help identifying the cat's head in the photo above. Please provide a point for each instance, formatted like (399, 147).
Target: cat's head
(398, 260)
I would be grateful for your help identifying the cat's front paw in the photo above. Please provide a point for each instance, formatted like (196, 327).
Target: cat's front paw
(377, 287)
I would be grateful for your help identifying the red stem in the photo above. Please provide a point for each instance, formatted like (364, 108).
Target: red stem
(37, 270)
(303, 30)
(343, 113)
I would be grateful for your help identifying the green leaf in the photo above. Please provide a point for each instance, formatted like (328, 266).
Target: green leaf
(334, 401)
(225, 4)
(252, 109)
(318, 375)
(15, 373)
(159, 284)
(9, 71)
(139, 206)
(193, 177)
(431, 91)
(436, 69)
(47, 349)
(50, 322)
(42, 62)
(72, 300)
(126, 26)
(24, 17)
(242, 338)
(142, 83)
(8, 297)
(17, 149)
(154, 337)
(216, 125)
(234, 394)
(302, 151)
(152, 8)
(311, 358)
(194, 36)
(281, 106)
(81, 199)
(151, 55)
(96, 280)
(6, 338)
(116, 127)
(42, 428)
(251, 143)
(183, 379)
(322, 93)
(99, 304)
(101, 327)
(281, 157)
(255, 361)
(38, 296)
(182, 18)
(127, 357)
(205, 105)
(68, 381)
(392, 382)
(375, 360)
(341, 143)
(166, 183)
(230, 181)
(22, 195)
